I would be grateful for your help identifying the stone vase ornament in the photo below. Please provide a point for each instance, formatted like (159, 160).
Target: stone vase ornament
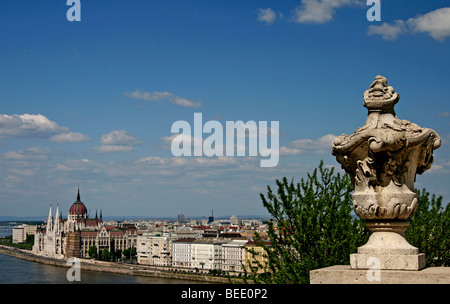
(382, 159)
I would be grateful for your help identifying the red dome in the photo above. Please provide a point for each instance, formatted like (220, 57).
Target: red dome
(78, 208)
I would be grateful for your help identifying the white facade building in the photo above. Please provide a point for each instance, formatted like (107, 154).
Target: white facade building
(207, 254)
(235, 221)
(154, 249)
(182, 252)
(233, 255)
(21, 232)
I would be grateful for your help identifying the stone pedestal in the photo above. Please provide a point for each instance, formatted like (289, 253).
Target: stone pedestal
(343, 274)
(387, 248)
(393, 262)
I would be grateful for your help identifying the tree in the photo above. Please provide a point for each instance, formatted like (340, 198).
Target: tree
(126, 253)
(429, 229)
(117, 254)
(105, 255)
(29, 241)
(129, 252)
(312, 226)
(92, 251)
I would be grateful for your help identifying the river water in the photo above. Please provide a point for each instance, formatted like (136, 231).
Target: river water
(17, 271)
(5, 230)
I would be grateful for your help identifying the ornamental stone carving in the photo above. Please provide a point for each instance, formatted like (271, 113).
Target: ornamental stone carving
(383, 158)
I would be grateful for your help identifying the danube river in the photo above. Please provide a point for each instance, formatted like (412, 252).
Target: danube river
(17, 271)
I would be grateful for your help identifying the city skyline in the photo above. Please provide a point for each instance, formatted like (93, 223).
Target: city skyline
(91, 103)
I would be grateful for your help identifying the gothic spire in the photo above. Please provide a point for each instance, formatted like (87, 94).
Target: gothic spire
(56, 224)
(78, 196)
(50, 220)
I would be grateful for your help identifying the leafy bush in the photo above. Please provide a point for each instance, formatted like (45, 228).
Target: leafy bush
(429, 229)
(312, 226)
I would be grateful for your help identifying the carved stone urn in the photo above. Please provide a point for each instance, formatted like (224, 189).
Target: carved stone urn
(382, 159)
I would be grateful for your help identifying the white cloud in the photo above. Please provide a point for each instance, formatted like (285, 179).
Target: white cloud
(148, 96)
(289, 151)
(440, 166)
(319, 11)
(388, 31)
(77, 165)
(153, 159)
(436, 23)
(322, 142)
(74, 137)
(112, 148)
(34, 153)
(321, 145)
(167, 140)
(28, 125)
(158, 96)
(120, 137)
(267, 15)
(22, 172)
(37, 125)
(117, 141)
(219, 161)
(193, 163)
(13, 179)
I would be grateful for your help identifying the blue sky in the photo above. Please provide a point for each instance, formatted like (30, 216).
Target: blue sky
(91, 103)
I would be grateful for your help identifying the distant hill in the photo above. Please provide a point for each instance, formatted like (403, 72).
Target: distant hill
(243, 217)
(121, 218)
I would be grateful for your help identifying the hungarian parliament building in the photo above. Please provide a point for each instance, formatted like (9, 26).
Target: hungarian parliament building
(72, 237)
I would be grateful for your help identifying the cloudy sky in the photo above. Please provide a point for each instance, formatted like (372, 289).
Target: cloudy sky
(91, 103)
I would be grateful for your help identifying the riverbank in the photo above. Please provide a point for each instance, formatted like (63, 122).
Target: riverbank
(127, 269)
